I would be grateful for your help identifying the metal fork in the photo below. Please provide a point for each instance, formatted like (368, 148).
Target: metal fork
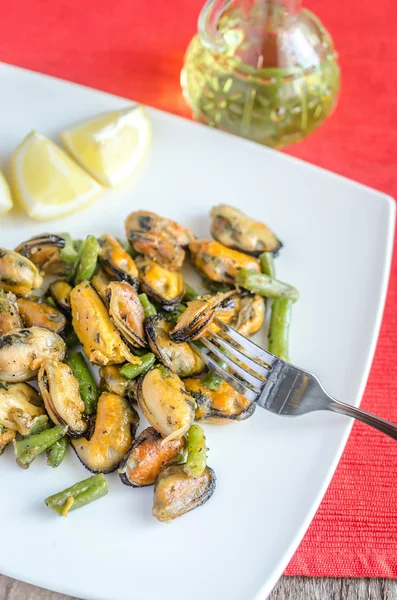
(272, 383)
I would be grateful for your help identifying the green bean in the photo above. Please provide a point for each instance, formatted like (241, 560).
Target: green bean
(139, 351)
(77, 245)
(174, 316)
(212, 381)
(182, 456)
(130, 249)
(88, 259)
(216, 286)
(267, 264)
(27, 449)
(78, 495)
(27, 426)
(39, 424)
(279, 327)
(50, 301)
(70, 256)
(130, 371)
(75, 251)
(6, 437)
(71, 338)
(57, 452)
(199, 344)
(164, 371)
(196, 452)
(148, 307)
(68, 253)
(88, 388)
(190, 294)
(262, 284)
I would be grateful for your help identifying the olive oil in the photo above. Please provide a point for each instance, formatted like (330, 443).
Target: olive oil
(276, 80)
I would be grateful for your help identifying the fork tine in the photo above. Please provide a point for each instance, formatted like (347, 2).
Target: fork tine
(255, 381)
(252, 348)
(249, 362)
(235, 383)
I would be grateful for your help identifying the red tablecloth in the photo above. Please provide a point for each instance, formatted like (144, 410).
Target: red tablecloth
(135, 48)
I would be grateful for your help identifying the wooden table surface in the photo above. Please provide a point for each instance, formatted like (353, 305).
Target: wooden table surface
(288, 588)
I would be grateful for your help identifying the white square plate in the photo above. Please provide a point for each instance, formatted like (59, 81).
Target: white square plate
(272, 472)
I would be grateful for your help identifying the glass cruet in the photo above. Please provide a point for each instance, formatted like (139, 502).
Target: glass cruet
(263, 69)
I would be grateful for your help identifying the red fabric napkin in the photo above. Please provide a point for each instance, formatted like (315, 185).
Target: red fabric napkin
(136, 49)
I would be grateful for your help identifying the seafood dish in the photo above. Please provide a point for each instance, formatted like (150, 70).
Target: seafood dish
(100, 350)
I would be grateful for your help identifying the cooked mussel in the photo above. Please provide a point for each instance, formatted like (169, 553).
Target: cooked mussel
(164, 286)
(176, 493)
(144, 221)
(100, 281)
(9, 315)
(226, 311)
(224, 406)
(227, 308)
(158, 247)
(196, 319)
(41, 314)
(115, 261)
(18, 274)
(127, 312)
(98, 335)
(6, 437)
(235, 230)
(180, 358)
(60, 292)
(158, 238)
(165, 403)
(60, 391)
(147, 457)
(249, 317)
(19, 407)
(115, 427)
(22, 352)
(219, 263)
(112, 381)
(44, 251)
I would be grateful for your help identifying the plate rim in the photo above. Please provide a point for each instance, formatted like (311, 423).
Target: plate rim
(390, 209)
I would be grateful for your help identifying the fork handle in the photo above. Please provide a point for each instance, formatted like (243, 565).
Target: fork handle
(361, 415)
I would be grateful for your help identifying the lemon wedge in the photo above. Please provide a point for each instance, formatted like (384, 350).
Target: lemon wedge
(111, 145)
(47, 182)
(5, 196)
